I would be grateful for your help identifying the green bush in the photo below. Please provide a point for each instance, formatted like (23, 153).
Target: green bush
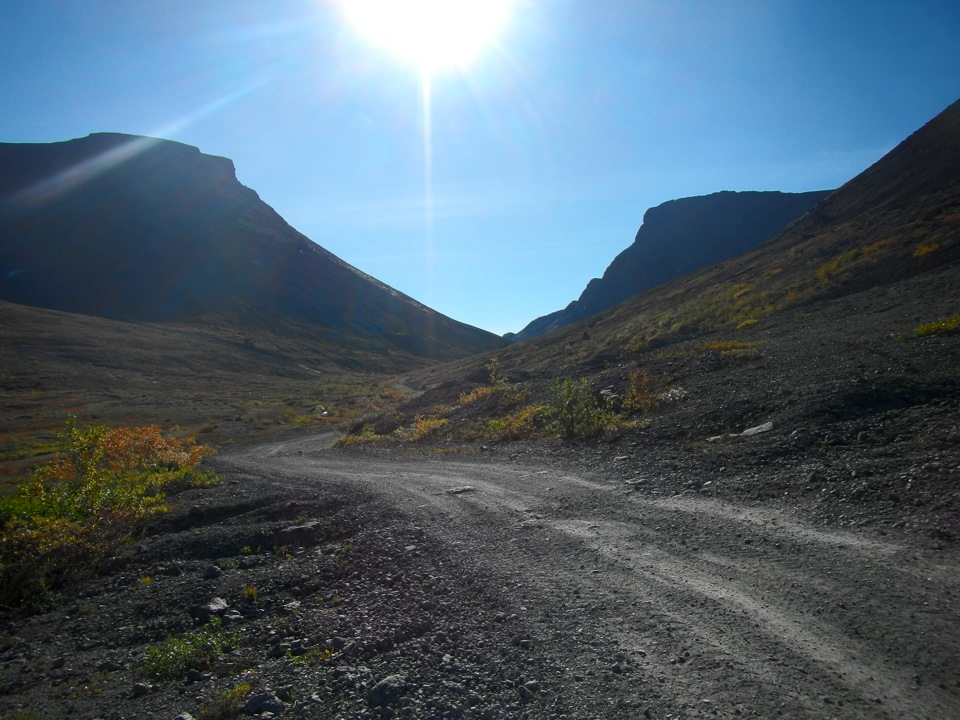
(575, 412)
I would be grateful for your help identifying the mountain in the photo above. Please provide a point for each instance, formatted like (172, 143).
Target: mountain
(144, 230)
(897, 220)
(676, 238)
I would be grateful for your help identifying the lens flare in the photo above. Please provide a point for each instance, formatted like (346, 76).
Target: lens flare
(431, 35)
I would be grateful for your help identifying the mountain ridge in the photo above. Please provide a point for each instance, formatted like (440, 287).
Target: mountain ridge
(141, 229)
(677, 237)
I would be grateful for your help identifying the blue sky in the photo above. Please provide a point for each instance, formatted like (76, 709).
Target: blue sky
(544, 152)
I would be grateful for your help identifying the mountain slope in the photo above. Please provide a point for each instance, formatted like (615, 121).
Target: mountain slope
(146, 230)
(898, 219)
(678, 237)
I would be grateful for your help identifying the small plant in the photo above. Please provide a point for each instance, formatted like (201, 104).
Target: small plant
(641, 396)
(478, 393)
(944, 326)
(312, 657)
(365, 435)
(422, 427)
(741, 289)
(635, 347)
(922, 250)
(146, 580)
(198, 650)
(497, 377)
(228, 705)
(250, 593)
(517, 425)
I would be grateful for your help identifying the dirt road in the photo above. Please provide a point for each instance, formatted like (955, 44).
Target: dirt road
(651, 605)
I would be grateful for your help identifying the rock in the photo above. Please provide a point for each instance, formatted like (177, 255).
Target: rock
(766, 427)
(212, 572)
(184, 716)
(387, 691)
(141, 689)
(526, 694)
(298, 536)
(461, 490)
(232, 617)
(756, 430)
(264, 702)
(278, 651)
(216, 607)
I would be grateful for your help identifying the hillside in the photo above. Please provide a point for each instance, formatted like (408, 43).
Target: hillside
(144, 230)
(839, 338)
(679, 237)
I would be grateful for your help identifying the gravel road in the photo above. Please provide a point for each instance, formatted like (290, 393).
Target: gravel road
(681, 604)
(482, 587)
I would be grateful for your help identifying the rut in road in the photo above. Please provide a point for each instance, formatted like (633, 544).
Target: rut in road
(716, 603)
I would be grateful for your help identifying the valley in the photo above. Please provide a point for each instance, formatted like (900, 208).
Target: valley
(733, 494)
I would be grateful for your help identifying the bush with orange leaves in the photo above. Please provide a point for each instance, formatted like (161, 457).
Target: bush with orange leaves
(71, 513)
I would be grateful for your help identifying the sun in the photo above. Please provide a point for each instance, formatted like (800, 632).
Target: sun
(431, 35)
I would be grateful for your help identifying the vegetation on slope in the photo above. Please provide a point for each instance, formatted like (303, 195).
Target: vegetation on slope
(74, 511)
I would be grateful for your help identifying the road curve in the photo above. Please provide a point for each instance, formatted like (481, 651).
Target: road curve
(716, 609)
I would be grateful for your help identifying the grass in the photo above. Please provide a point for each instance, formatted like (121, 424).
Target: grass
(198, 650)
(93, 496)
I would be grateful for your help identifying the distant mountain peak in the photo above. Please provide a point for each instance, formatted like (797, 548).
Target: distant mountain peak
(678, 237)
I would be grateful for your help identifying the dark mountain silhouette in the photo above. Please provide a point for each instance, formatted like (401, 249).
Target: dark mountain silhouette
(676, 238)
(897, 220)
(139, 229)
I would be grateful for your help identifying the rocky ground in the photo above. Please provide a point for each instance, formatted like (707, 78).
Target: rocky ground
(399, 584)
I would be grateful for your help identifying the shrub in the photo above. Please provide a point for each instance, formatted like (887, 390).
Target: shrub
(575, 412)
(359, 436)
(422, 427)
(517, 425)
(478, 393)
(641, 395)
(497, 377)
(72, 512)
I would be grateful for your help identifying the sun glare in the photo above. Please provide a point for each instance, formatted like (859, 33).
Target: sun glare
(431, 35)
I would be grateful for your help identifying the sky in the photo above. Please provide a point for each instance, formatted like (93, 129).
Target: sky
(492, 191)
